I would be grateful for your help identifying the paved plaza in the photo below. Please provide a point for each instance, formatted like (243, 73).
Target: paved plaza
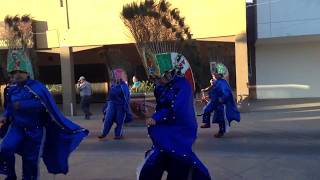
(274, 141)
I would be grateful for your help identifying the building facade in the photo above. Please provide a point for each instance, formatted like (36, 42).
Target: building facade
(73, 36)
(287, 49)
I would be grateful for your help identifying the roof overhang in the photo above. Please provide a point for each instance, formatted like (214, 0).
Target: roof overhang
(219, 39)
(288, 39)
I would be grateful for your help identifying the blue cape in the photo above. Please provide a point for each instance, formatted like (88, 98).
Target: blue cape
(62, 135)
(220, 96)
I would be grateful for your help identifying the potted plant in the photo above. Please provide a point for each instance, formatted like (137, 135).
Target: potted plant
(56, 91)
(142, 101)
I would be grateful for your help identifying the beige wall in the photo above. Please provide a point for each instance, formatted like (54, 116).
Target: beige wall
(288, 70)
(97, 22)
(53, 24)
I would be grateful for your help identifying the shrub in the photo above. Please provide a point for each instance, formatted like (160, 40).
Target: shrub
(145, 87)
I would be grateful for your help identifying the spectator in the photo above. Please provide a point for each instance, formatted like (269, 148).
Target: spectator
(85, 93)
(136, 84)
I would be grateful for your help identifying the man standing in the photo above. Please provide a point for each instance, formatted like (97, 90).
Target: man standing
(85, 93)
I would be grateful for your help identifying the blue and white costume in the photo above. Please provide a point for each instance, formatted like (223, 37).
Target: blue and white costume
(116, 109)
(37, 129)
(173, 135)
(223, 105)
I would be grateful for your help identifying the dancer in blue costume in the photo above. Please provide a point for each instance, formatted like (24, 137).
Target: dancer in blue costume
(221, 102)
(37, 127)
(173, 130)
(116, 109)
(4, 126)
(206, 99)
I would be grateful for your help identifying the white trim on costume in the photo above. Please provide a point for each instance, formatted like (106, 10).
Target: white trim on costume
(44, 133)
(227, 127)
(139, 168)
(124, 117)
(10, 126)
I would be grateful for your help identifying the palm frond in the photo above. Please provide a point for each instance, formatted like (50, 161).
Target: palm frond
(149, 4)
(16, 19)
(8, 21)
(164, 6)
(181, 22)
(26, 18)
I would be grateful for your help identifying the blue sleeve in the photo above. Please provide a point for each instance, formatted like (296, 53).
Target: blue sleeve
(5, 114)
(8, 111)
(6, 104)
(126, 94)
(161, 115)
(5, 92)
(31, 104)
(105, 106)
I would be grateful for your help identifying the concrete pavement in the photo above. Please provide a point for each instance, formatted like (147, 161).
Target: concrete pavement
(277, 142)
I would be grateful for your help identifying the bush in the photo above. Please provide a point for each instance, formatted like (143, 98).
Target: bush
(145, 87)
(54, 88)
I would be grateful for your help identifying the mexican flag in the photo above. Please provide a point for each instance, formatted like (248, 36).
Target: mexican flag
(167, 61)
